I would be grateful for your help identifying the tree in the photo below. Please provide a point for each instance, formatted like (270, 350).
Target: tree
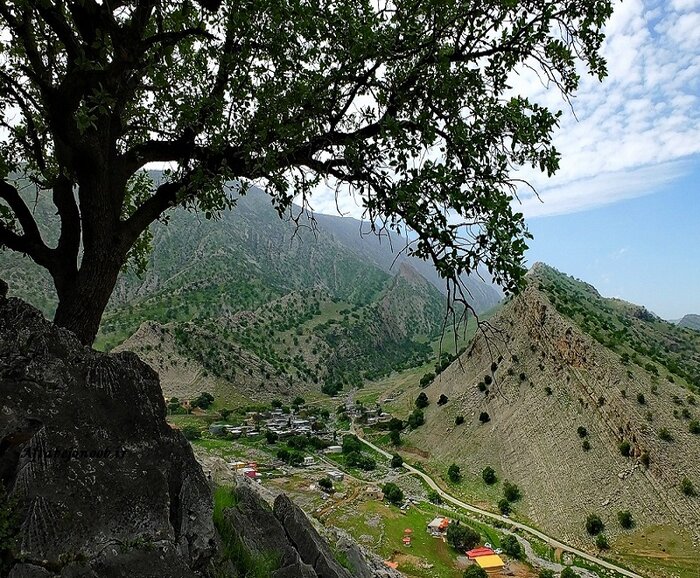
(625, 447)
(223, 91)
(512, 547)
(392, 493)
(475, 571)
(694, 427)
(395, 424)
(504, 506)
(225, 412)
(271, 437)
(351, 444)
(461, 537)
(489, 475)
(454, 474)
(545, 573)
(568, 573)
(601, 542)
(459, 420)
(511, 491)
(326, 484)
(484, 417)
(594, 525)
(443, 399)
(625, 519)
(396, 461)
(191, 432)
(582, 431)
(298, 401)
(434, 497)
(422, 400)
(416, 419)
(687, 487)
(395, 437)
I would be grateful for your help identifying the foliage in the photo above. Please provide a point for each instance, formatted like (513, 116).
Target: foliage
(586, 445)
(351, 444)
(489, 475)
(665, 435)
(416, 419)
(484, 417)
(271, 437)
(475, 571)
(454, 473)
(687, 487)
(396, 461)
(625, 519)
(360, 460)
(504, 506)
(594, 525)
(326, 484)
(625, 447)
(511, 491)
(434, 497)
(427, 379)
(392, 493)
(601, 542)
(422, 400)
(442, 86)
(395, 437)
(191, 432)
(203, 400)
(694, 427)
(459, 420)
(512, 547)
(461, 537)
(545, 573)
(443, 399)
(582, 431)
(568, 573)
(395, 424)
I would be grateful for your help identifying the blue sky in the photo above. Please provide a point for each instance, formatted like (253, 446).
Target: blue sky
(645, 249)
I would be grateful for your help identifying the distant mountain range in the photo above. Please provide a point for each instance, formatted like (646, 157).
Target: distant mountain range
(691, 321)
(251, 305)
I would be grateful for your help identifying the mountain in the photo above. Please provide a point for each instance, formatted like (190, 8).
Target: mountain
(691, 321)
(557, 358)
(251, 305)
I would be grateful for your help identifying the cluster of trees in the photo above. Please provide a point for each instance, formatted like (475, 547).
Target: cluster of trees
(392, 493)
(354, 458)
(462, 537)
(454, 473)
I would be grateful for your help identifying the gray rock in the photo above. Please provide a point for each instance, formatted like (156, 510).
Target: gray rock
(311, 547)
(104, 486)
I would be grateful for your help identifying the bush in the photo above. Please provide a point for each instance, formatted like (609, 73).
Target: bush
(568, 573)
(461, 537)
(511, 492)
(641, 399)
(625, 519)
(395, 437)
(489, 475)
(325, 484)
(484, 417)
(454, 474)
(625, 447)
(644, 458)
(395, 424)
(434, 497)
(271, 437)
(351, 444)
(426, 379)
(475, 571)
(594, 525)
(359, 460)
(582, 432)
(416, 419)
(459, 420)
(481, 386)
(694, 427)
(392, 493)
(665, 435)
(396, 461)
(548, 390)
(512, 547)
(191, 432)
(602, 542)
(545, 573)
(443, 399)
(488, 380)
(422, 400)
(504, 506)
(586, 445)
(687, 487)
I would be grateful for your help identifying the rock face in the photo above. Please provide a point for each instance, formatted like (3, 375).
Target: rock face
(101, 486)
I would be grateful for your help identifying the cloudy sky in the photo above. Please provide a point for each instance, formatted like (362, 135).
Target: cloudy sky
(623, 211)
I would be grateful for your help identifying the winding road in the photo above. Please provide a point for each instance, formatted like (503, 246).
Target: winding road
(544, 537)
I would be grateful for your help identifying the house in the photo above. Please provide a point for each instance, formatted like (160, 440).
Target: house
(251, 473)
(491, 564)
(477, 552)
(333, 450)
(374, 492)
(308, 461)
(438, 526)
(335, 475)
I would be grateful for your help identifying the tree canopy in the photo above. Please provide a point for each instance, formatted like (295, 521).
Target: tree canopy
(405, 105)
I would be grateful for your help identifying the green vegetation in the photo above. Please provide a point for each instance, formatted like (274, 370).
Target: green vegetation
(545, 573)
(191, 432)
(416, 419)
(511, 547)
(504, 506)
(454, 473)
(687, 487)
(461, 537)
(326, 484)
(582, 431)
(625, 447)
(422, 400)
(434, 497)
(459, 420)
(392, 493)
(475, 571)
(601, 542)
(489, 475)
(568, 573)
(484, 417)
(594, 525)
(396, 461)
(625, 519)
(511, 491)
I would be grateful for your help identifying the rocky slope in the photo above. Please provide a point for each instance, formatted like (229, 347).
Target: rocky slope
(550, 366)
(690, 321)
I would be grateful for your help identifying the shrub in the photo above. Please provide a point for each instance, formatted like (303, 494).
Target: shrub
(359, 460)
(594, 525)
(582, 431)
(461, 537)
(326, 484)
(504, 506)
(481, 386)
(625, 447)
(586, 445)
(351, 444)
(392, 493)
(488, 380)
(434, 497)
(644, 458)
(191, 432)
(484, 417)
(489, 475)
(395, 424)
(459, 420)
(443, 399)
(665, 435)
(511, 491)
(454, 473)
(640, 398)
(625, 519)
(395, 437)
(694, 427)
(396, 461)
(602, 542)
(271, 437)
(475, 571)
(568, 573)
(426, 379)
(548, 390)
(687, 487)
(545, 573)
(422, 400)
(416, 419)
(512, 547)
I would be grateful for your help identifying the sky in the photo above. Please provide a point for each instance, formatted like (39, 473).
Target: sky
(623, 211)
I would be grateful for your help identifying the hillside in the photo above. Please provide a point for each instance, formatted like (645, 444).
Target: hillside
(691, 321)
(556, 358)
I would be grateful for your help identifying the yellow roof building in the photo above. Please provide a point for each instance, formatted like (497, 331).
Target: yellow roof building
(490, 563)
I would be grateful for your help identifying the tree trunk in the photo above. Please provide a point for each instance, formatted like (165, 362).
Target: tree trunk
(82, 298)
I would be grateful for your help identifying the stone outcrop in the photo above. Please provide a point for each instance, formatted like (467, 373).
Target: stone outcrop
(98, 483)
